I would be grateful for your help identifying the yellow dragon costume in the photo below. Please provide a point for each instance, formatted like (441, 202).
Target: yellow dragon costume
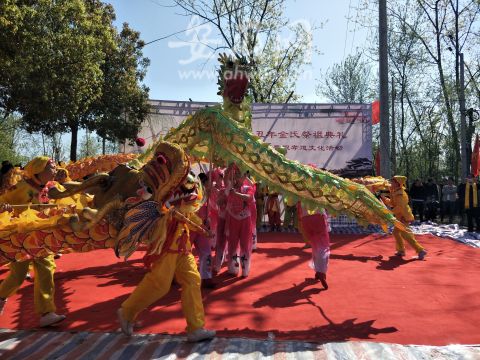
(37, 234)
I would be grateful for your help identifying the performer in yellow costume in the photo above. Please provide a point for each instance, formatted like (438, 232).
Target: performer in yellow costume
(175, 260)
(398, 201)
(38, 172)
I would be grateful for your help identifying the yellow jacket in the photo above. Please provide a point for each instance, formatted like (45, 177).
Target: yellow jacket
(399, 201)
(21, 193)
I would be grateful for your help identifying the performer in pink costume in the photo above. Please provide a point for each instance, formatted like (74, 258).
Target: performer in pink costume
(221, 241)
(215, 183)
(314, 228)
(204, 249)
(238, 221)
(253, 211)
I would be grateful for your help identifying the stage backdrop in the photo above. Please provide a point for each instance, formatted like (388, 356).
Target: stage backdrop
(337, 137)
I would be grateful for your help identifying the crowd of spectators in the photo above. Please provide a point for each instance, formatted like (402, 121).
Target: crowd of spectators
(446, 202)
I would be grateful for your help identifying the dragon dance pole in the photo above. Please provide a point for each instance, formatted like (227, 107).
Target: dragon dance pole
(25, 206)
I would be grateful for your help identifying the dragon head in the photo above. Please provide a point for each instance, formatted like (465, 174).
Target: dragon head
(233, 78)
(188, 197)
(166, 171)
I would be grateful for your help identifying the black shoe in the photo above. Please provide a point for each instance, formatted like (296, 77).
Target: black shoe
(208, 284)
(422, 254)
(322, 277)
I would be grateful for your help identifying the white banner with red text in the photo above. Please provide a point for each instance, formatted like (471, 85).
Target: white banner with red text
(336, 137)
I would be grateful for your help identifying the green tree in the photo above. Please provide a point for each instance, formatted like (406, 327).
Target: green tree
(9, 140)
(52, 62)
(123, 106)
(348, 82)
(256, 30)
(56, 51)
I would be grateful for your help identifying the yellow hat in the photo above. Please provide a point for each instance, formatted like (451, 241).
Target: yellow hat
(401, 180)
(36, 166)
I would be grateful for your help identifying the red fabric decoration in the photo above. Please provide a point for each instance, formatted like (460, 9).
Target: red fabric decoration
(375, 112)
(43, 194)
(377, 162)
(476, 157)
(140, 142)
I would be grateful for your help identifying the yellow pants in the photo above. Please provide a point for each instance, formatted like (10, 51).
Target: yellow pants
(156, 283)
(44, 287)
(409, 237)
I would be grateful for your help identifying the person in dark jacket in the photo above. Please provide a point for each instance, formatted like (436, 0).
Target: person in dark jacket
(417, 196)
(431, 200)
(449, 200)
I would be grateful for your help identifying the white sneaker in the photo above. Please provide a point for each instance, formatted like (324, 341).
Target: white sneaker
(200, 335)
(233, 266)
(51, 319)
(218, 262)
(125, 325)
(245, 266)
(3, 302)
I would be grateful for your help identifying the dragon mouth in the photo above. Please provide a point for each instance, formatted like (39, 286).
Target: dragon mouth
(187, 193)
(183, 195)
(178, 198)
(236, 100)
(236, 87)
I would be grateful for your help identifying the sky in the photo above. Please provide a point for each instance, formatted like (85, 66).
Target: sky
(182, 68)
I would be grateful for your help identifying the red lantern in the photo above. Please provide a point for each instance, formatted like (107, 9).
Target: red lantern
(375, 112)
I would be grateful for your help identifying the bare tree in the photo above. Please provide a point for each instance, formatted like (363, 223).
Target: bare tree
(406, 58)
(90, 145)
(349, 81)
(445, 21)
(255, 30)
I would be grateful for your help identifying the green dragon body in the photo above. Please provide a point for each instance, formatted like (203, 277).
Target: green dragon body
(222, 134)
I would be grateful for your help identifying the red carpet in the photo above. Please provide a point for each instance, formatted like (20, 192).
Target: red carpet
(372, 295)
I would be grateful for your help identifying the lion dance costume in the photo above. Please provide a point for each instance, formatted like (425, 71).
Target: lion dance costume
(169, 256)
(398, 201)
